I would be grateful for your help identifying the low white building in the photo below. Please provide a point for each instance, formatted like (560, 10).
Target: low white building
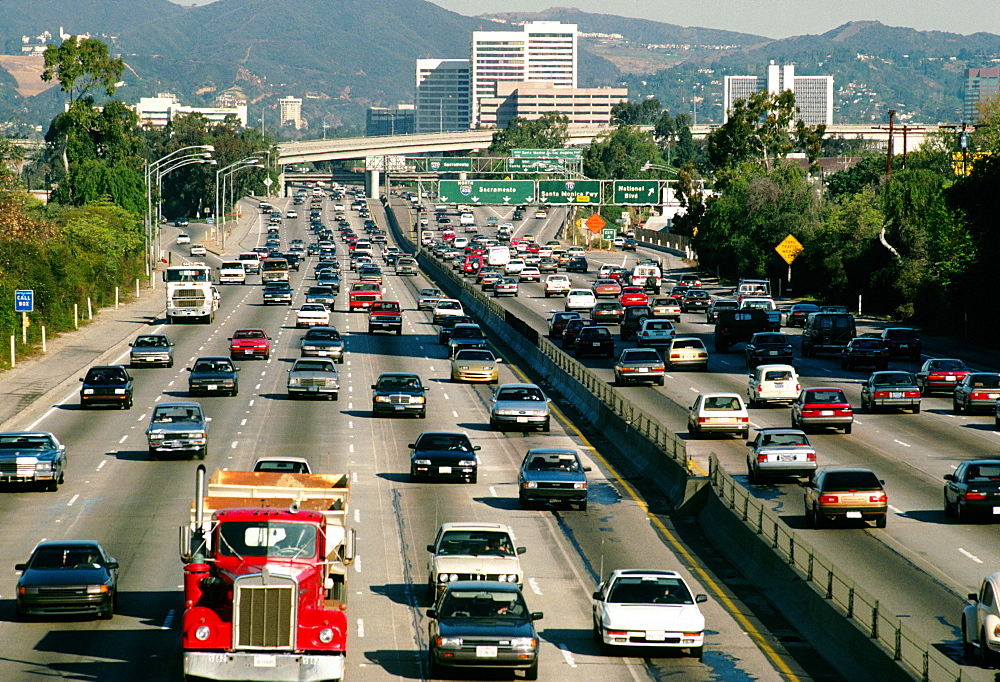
(161, 109)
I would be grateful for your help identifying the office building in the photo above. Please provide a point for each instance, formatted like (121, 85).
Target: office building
(543, 51)
(442, 95)
(394, 120)
(980, 85)
(160, 110)
(585, 107)
(290, 111)
(813, 94)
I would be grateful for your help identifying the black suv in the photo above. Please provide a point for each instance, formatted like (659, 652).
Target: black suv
(632, 320)
(399, 393)
(902, 342)
(473, 616)
(827, 332)
(447, 324)
(277, 292)
(107, 385)
(558, 322)
(594, 340)
(768, 348)
(576, 264)
(865, 351)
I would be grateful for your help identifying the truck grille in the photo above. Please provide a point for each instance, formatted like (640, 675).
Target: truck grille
(306, 382)
(265, 614)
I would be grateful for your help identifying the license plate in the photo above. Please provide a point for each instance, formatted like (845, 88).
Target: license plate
(786, 458)
(951, 378)
(212, 387)
(248, 352)
(854, 515)
(486, 652)
(444, 470)
(644, 369)
(996, 510)
(399, 408)
(779, 384)
(265, 660)
(772, 352)
(596, 345)
(655, 635)
(312, 389)
(522, 420)
(826, 413)
(895, 394)
(722, 420)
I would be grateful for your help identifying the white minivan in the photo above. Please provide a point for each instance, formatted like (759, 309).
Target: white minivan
(772, 384)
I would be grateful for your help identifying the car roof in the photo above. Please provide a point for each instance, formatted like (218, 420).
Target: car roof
(67, 543)
(474, 525)
(643, 571)
(180, 403)
(518, 386)
(213, 358)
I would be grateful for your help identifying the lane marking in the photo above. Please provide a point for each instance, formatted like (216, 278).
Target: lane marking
(357, 516)
(970, 555)
(493, 492)
(123, 439)
(235, 443)
(533, 584)
(905, 445)
(73, 500)
(243, 423)
(894, 510)
(567, 655)
(454, 414)
(357, 563)
(361, 627)
(101, 465)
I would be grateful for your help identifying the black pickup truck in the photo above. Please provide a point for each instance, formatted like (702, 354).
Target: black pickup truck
(738, 326)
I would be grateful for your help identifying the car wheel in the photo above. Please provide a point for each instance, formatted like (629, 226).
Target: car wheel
(335, 396)
(532, 672)
(473, 477)
(697, 651)
(107, 614)
(493, 425)
(434, 668)
(986, 655)
(916, 409)
(203, 453)
(880, 522)
(52, 486)
(694, 433)
(847, 429)
(961, 513)
(422, 415)
(546, 426)
(170, 364)
(864, 405)
(153, 454)
(751, 475)
(595, 634)
(956, 407)
(235, 392)
(948, 509)
(968, 650)
(661, 381)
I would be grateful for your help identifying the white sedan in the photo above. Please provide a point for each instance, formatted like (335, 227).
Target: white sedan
(183, 238)
(580, 299)
(292, 213)
(197, 250)
(312, 315)
(648, 608)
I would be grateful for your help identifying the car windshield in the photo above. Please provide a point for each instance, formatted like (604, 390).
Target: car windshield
(659, 325)
(641, 356)
(174, 415)
(475, 542)
(727, 403)
(985, 381)
(449, 305)
(461, 332)
(475, 356)
(150, 342)
(659, 590)
(946, 365)
(866, 344)
(454, 442)
(249, 334)
(49, 558)
(15, 442)
(791, 438)
(398, 382)
(283, 467)
(105, 376)
(555, 461)
(313, 307)
(521, 394)
(212, 366)
(688, 343)
(274, 539)
(480, 604)
(777, 375)
(825, 397)
(901, 334)
(323, 335)
(770, 340)
(314, 366)
(846, 481)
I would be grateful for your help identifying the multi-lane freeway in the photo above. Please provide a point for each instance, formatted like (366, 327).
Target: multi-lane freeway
(116, 494)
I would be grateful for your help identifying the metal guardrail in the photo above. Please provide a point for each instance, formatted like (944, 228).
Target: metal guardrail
(915, 654)
(855, 603)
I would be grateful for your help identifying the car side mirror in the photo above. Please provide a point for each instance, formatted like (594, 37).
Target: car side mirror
(432, 613)
(586, 468)
(536, 615)
(973, 597)
(881, 481)
(808, 484)
(749, 443)
(208, 419)
(230, 338)
(598, 596)
(112, 564)
(522, 550)
(131, 345)
(237, 369)
(477, 447)
(81, 378)
(187, 369)
(499, 361)
(701, 598)
(373, 386)
(949, 477)
(22, 567)
(430, 548)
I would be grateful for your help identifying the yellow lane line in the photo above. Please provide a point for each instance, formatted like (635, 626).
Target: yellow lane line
(703, 575)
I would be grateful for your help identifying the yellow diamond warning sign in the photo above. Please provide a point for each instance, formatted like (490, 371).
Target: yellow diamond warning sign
(789, 248)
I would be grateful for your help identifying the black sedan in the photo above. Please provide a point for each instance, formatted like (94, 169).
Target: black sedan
(552, 475)
(447, 324)
(576, 264)
(594, 340)
(630, 245)
(482, 624)
(399, 393)
(558, 322)
(444, 455)
(974, 489)
(798, 313)
(323, 342)
(865, 351)
(213, 375)
(67, 577)
(695, 300)
(768, 348)
(107, 385)
(890, 389)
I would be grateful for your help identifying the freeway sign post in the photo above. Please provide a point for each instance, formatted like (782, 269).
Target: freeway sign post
(569, 191)
(566, 154)
(635, 192)
(501, 192)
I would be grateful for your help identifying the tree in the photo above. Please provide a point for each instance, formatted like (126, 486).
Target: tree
(645, 112)
(986, 136)
(549, 131)
(757, 129)
(866, 173)
(82, 65)
(620, 153)
(673, 135)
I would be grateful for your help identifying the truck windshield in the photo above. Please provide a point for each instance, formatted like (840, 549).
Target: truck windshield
(188, 274)
(267, 539)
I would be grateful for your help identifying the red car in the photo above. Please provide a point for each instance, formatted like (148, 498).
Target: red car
(822, 406)
(620, 275)
(633, 296)
(250, 343)
(941, 374)
(533, 247)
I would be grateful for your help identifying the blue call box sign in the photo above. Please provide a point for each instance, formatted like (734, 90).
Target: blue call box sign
(24, 301)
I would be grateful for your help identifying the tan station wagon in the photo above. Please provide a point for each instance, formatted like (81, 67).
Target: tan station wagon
(473, 551)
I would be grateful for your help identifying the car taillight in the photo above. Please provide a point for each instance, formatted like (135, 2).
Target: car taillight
(761, 458)
(811, 456)
(881, 394)
(674, 356)
(979, 395)
(878, 499)
(973, 495)
(828, 499)
(913, 394)
(744, 420)
(798, 388)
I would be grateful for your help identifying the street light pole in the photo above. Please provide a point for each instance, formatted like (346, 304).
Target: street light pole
(151, 169)
(250, 161)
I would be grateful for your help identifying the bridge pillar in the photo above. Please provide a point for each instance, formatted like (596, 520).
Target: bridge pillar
(282, 185)
(371, 184)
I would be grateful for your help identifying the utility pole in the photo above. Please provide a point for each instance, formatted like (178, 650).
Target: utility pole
(888, 158)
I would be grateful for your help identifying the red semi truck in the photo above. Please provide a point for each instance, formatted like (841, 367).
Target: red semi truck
(265, 577)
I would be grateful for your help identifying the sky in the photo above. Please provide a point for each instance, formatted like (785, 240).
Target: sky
(770, 18)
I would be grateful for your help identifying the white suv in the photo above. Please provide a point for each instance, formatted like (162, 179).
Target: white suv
(773, 384)
(557, 285)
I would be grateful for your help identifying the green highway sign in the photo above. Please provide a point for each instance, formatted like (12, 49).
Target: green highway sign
(518, 165)
(608, 233)
(569, 191)
(486, 192)
(567, 154)
(449, 164)
(635, 192)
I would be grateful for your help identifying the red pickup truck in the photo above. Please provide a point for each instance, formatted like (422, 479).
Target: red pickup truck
(362, 295)
(250, 343)
(385, 316)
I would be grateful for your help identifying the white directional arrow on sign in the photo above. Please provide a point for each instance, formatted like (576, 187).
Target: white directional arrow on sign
(506, 200)
(475, 199)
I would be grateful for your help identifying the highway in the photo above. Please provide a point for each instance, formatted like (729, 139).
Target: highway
(115, 494)
(922, 565)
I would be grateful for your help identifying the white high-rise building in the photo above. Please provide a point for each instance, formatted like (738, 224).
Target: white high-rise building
(442, 96)
(813, 94)
(290, 111)
(541, 51)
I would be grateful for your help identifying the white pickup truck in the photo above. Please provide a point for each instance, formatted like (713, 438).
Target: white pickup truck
(557, 285)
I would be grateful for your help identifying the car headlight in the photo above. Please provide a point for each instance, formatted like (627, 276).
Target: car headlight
(310, 348)
(580, 486)
(326, 635)
(505, 413)
(119, 391)
(416, 399)
(88, 391)
(97, 589)
(156, 436)
(512, 578)
(294, 381)
(452, 642)
(538, 413)
(523, 643)
(530, 484)
(422, 462)
(43, 466)
(202, 632)
(502, 577)
(463, 367)
(381, 398)
(466, 462)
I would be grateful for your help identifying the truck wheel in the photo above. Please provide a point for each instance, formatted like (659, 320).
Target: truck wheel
(153, 454)
(202, 453)
(335, 396)
(532, 672)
